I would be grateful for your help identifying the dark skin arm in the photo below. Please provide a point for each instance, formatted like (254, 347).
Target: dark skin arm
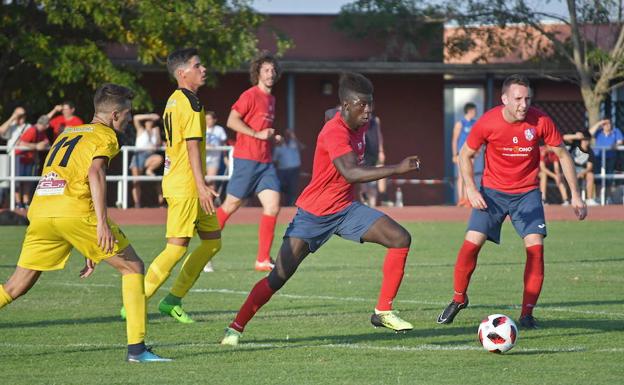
(349, 168)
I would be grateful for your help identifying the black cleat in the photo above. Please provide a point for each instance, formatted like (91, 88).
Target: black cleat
(451, 311)
(528, 322)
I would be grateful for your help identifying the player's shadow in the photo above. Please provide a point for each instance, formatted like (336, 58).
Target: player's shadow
(103, 320)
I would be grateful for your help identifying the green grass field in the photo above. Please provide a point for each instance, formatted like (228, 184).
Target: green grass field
(317, 330)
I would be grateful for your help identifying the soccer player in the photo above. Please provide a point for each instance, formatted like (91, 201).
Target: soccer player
(69, 210)
(512, 134)
(328, 206)
(189, 198)
(252, 118)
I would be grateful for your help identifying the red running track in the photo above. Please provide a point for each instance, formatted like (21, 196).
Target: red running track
(251, 215)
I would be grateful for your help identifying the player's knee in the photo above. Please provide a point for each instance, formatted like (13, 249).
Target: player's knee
(276, 280)
(402, 239)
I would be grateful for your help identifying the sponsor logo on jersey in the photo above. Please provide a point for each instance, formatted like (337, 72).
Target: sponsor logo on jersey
(171, 103)
(167, 164)
(529, 133)
(51, 184)
(70, 130)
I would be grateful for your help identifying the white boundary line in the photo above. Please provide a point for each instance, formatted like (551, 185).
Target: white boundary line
(351, 299)
(253, 345)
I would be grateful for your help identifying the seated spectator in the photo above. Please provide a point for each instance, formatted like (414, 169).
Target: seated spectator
(550, 168)
(66, 119)
(215, 136)
(145, 158)
(578, 145)
(35, 139)
(287, 158)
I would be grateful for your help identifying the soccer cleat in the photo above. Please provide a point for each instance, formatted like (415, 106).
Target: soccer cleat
(174, 311)
(122, 313)
(146, 356)
(231, 337)
(209, 268)
(528, 322)
(265, 265)
(389, 319)
(451, 311)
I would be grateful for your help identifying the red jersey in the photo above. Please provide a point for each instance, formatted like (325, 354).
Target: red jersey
(59, 123)
(547, 156)
(512, 152)
(328, 191)
(30, 135)
(257, 110)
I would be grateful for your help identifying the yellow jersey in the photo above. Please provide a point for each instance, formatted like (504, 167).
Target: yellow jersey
(63, 190)
(184, 118)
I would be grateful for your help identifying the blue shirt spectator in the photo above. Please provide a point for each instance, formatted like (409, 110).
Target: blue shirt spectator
(605, 135)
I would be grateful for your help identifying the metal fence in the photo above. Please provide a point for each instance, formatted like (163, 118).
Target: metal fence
(121, 179)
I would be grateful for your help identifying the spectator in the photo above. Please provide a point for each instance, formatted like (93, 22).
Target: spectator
(550, 167)
(287, 158)
(10, 131)
(460, 133)
(35, 138)
(66, 119)
(145, 159)
(215, 136)
(13, 128)
(605, 135)
(579, 147)
(373, 156)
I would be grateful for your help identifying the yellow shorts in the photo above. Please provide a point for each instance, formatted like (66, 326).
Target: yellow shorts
(185, 216)
(49, 241)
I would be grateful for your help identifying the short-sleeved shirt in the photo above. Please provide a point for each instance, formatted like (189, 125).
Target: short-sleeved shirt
(512, 152)
(604, 140)
(466, 126)
(287, 155)
(328, 191)
(215, 136)
(31, 135)
(184, 119)
(257, 109)
(14, 131)
(63, 190)
(59, 123)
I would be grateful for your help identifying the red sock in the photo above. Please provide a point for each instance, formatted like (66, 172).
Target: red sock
(464, 267)
(222, 217)
(393, 268)
(260, 294)
(266, 232)
(533, 278)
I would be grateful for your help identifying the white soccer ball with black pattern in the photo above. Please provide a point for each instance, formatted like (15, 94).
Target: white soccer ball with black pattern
(498, 333)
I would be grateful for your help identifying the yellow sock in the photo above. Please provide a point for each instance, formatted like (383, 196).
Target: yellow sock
(5, 298)
(134, 302)
(193, 266)
(161, 267)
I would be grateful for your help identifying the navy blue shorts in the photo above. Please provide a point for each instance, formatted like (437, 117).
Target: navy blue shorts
(249, 177)
(349, 223)
(525, 210)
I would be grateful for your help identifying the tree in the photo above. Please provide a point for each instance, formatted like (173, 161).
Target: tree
(591, 42)
(56, 49)
(411, 30)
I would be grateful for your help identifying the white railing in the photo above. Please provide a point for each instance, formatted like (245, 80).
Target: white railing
(122, 179)
(603, 176)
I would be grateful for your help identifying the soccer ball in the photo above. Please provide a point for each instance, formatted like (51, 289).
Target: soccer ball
(498, 333)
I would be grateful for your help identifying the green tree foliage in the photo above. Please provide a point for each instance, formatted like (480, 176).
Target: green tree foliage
(592, 42)
(56, 49)
(410, 29)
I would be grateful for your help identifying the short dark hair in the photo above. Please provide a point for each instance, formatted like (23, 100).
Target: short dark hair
(469, 106)
(111, 96)
(516, 79)
(353, 82)
(258, 61)
(180, 57)
(212, 113)
(69, 103)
